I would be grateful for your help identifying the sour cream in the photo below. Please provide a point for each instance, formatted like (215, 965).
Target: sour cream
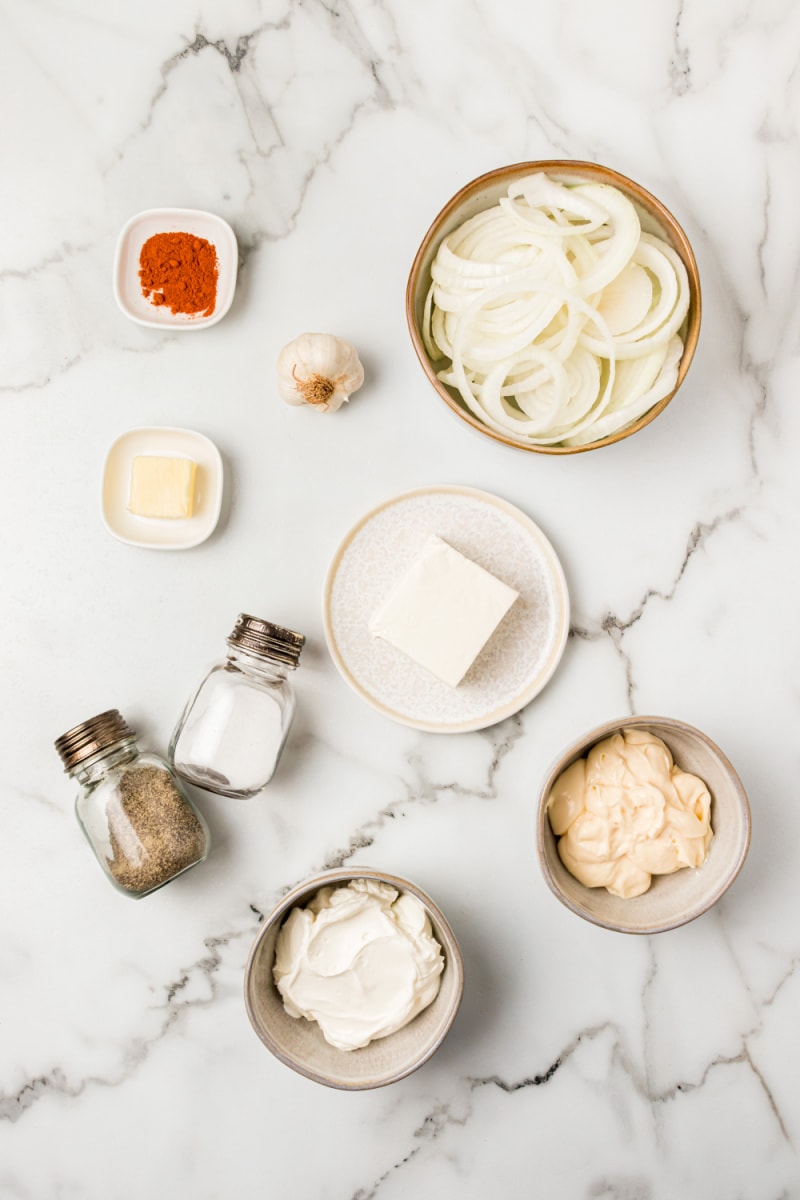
(626, 812)
(359, 959)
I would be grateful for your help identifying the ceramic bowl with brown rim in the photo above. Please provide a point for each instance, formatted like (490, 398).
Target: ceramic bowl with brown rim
(483, 193)
(672, 900)
(299, 1043)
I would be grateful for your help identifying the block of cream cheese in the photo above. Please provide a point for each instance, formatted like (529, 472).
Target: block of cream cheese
(162, 487)
(443, 611)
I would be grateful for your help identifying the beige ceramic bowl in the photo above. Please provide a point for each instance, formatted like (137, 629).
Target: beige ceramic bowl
(300, 1044)
(672, 900)
(483, 193)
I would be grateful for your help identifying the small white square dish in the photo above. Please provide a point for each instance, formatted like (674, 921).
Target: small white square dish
(157, 533)
(127, 284)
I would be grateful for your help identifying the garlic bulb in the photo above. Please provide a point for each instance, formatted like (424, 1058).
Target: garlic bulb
(319, 369)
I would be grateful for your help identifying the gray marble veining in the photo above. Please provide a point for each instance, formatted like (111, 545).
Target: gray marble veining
(582, 1064)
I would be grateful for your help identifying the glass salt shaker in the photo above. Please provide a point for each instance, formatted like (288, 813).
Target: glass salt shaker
(234, 728)
(143, 828)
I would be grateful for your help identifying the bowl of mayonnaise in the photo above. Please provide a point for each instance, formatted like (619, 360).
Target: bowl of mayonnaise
(354, 979)
(643, 824)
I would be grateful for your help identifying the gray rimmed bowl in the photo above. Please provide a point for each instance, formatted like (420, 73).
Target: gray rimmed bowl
(299, 1043)
(483, 193)
(672, 900)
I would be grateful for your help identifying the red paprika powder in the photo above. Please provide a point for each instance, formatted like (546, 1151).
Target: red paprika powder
(179, 270)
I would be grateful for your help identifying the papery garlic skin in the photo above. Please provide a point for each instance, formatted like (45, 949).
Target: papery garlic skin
(319, 369)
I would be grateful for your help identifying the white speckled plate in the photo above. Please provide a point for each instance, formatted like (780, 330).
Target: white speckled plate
(520, 656)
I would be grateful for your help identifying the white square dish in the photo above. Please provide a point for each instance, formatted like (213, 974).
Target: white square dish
(155, 533)
(127, 286)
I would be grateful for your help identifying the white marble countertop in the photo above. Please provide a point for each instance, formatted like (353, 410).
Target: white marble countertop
(583, 1063)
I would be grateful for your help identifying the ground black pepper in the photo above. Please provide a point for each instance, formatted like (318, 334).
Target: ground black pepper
(154, 832)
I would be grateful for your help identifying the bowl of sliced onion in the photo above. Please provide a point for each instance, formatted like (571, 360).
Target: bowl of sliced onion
(555, 305)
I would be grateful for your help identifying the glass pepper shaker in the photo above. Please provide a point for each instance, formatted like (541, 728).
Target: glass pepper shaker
(234, 728)
(142, 827)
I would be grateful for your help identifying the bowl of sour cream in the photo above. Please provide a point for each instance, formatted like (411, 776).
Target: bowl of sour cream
(354, 979)
(643, 824)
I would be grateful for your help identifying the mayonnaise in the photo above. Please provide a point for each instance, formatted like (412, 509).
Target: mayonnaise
(626, 812)
(360, 959)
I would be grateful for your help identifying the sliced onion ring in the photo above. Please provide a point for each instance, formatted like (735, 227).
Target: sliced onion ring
(516, 309)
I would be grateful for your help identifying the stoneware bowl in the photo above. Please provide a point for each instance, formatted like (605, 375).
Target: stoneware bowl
(672, 900)
(483, 193)
(300, 1044)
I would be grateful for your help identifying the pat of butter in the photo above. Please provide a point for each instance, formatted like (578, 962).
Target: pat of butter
(443, 611)
(162, 487)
